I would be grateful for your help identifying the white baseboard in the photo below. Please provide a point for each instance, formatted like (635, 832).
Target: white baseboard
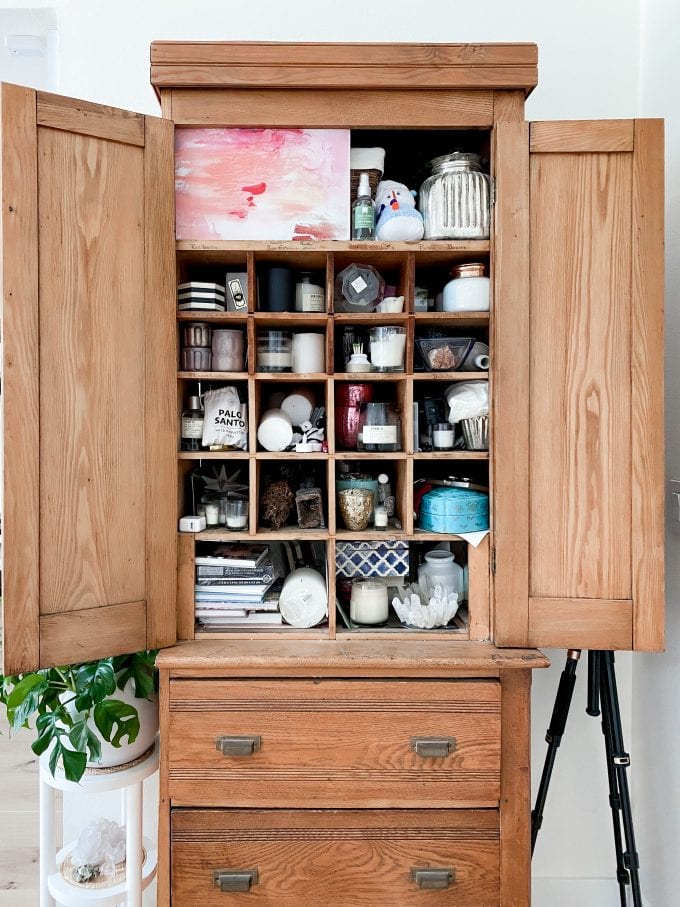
(567, 892)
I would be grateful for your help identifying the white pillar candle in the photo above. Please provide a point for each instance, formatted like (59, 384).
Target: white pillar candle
(368, 603)
(309, 353)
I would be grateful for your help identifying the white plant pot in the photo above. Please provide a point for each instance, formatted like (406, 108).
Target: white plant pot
(148, 729)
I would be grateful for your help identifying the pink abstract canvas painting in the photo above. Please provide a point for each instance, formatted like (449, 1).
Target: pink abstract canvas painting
(261, 184)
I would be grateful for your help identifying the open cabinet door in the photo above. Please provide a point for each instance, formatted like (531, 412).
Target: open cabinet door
(594, 431)
(88, 381)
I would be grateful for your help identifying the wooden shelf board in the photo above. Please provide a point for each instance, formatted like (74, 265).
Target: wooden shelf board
(212, 376)
(290, 376)
(212, 454)
(375, 318)
(290, 533)
(455, 319)
(264, 633)
(450, 376)
(372, 535)
(369, 376)
(214, 317)
(440, 247)
(268, 320)
(452, 455)
(290, 455)
(369, 455)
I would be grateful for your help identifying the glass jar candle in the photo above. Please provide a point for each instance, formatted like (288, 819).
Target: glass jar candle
(442, 436)
(227, 351)
(468, 289)
(309, 294)
(455, 199)
(274, 351)
(368, 602)
(387, 346)
(237, 513)
(379, 428)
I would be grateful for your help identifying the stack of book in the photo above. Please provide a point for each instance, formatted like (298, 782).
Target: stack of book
(238, 587)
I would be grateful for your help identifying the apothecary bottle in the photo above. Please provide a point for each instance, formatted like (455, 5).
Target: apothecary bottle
(192, 425)
(379, 428)
(455, 199)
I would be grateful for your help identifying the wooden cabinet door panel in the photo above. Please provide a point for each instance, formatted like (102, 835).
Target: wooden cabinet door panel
(595, 425)
(88, 379)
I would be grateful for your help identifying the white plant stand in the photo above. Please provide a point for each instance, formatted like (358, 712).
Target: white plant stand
(142, 854)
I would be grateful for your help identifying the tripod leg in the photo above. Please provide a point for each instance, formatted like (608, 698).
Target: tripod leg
(553, 738)
(620, 761)
(622, 875)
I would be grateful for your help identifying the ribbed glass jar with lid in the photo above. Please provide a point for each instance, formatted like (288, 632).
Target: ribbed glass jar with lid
(455, 199)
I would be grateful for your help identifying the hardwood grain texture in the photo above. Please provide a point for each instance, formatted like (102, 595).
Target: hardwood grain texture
(589, 136)
(508, 106)
(579, 439)
(347, 657)
(336, 858)
(509, 380)
(164, 836)
(75, 636)
(479, 603)
(515, 812)
(160, 410)
(582, 623)
(376, 54)
(186, 578)
(21, 382)
(334, 743)
(85, 118)
(647, 376)
(92, 484)
(282, 107)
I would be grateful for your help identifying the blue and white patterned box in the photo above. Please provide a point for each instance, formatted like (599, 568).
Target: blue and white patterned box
(371, 559)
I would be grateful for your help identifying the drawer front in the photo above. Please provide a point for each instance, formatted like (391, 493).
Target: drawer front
(335, 858)
(334, 743)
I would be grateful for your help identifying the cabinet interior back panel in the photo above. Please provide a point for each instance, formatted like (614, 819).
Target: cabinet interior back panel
(580, 448)
(91, 209)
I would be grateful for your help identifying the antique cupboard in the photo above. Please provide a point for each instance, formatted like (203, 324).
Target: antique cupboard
(331, 766)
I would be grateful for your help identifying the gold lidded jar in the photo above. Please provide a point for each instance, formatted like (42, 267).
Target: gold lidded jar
(455, 199)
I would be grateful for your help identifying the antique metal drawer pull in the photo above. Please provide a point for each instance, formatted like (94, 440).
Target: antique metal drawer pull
(433, 878)
(433, 747)
(235, 879)
(238, 746)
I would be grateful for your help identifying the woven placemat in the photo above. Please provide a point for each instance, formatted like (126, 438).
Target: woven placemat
(112, 769)
(105, 880)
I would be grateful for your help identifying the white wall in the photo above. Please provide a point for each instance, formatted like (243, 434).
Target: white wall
(657, 678)
(589, 56)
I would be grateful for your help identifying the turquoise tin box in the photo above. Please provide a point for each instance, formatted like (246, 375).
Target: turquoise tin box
(454, 510)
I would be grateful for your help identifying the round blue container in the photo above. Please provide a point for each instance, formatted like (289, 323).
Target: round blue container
(454, 510)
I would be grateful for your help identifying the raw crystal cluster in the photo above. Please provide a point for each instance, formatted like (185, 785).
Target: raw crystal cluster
(100, 845)
(436, 611)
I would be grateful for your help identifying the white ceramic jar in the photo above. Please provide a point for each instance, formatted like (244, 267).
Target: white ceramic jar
(468, 290)
(440, 569)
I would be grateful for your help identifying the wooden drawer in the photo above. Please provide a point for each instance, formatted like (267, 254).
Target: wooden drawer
(336, 858)
(335, 743)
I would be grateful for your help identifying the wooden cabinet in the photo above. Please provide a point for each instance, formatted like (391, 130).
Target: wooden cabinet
(95, 479)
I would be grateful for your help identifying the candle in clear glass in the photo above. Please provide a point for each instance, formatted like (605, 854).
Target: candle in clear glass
(212, 514)
(442, 436)
(237, 513)
(368, 602)
(387, 346)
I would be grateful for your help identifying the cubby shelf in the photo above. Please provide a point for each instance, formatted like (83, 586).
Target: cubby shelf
(438, 247)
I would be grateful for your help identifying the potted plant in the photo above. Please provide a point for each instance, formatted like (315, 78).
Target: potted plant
(101, 712)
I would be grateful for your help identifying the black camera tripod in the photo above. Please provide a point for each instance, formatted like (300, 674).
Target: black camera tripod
(602, 692)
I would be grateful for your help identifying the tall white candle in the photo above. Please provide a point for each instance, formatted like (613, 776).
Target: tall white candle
(309, 353)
